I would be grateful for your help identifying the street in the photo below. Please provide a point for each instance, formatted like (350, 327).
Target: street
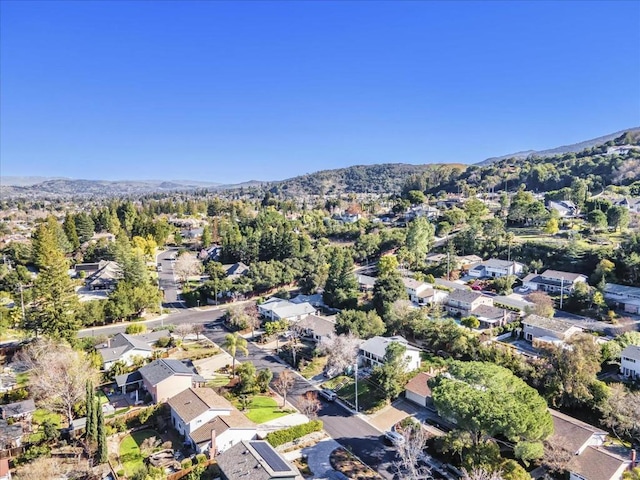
(347, 429)
(167, 279)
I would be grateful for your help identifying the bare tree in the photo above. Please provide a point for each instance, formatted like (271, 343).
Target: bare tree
(556, 456)
(621, 412)
(543, 304)
(411, 451)
(197, 329)
(148, 445)
(186, 266)
(283, 384)
(309, 404)
(43, 467)
(183, 330)
(341, 350)
(58, 375)
(481, 474)
(237, 317)
(253, 317)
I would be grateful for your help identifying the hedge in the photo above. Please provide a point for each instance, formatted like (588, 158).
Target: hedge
(280, 437)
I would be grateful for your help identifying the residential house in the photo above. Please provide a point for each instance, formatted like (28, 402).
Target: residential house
(631, 204)
(435, 258)
(105, 278)
(279, 309)
(496, 268)
(510, 303)
(18, 410)
(426, 211)
(630, 361)
(255, 460)
(372, 351)
(551, 330)
(191, 233)
(431, 296)
(553, 281)
(466, 260)
(11, 434)
(365, 282)
(166, 378)
(625, 297)
(347, 217)
(193, 407)
(125, 348)
(235, 270)
(591, 461)
(5, 473)
(565, 208)
(223, 432)
(317, 327)
(417, 390)
(414, 287)
(462, 302)
(491, 316)
(316, 300)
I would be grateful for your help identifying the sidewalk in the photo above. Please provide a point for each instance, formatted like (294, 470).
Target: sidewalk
(318, 460)
(287, 421)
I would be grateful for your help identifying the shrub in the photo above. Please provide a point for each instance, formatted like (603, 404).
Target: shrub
(186, 463)
(287, 435)
(135, 328)
(163, 342)
(119, 425)
(120, 473)
(33, 452)
(201, 458)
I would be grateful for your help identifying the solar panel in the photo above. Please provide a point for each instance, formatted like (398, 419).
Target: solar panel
(270, 456)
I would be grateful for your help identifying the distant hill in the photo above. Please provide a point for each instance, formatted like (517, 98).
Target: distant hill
(574, 148)
(13, 181)
(380, 178)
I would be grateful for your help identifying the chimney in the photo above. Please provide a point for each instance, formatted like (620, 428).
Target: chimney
(212, 448)
(109, 342)
(633, 459)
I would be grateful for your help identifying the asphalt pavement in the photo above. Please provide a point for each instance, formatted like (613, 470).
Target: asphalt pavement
(167, 279)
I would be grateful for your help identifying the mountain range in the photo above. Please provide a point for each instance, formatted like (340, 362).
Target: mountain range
(380, 178)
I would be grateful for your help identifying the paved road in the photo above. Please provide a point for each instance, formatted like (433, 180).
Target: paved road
(349, 430)
(167, 279)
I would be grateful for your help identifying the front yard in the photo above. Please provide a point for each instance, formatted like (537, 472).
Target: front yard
(262, 409)
(370, 398)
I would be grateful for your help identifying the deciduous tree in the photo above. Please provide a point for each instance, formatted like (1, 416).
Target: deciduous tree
(283, 385)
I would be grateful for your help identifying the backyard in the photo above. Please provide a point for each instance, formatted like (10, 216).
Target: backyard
(262, 409)
(130, 455)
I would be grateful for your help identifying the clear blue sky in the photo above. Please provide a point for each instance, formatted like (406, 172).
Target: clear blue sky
(229, 92)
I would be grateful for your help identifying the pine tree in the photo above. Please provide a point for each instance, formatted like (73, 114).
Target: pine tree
(71, 232)
(102, 453)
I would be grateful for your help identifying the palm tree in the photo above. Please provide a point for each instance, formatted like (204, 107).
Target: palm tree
(234, 342)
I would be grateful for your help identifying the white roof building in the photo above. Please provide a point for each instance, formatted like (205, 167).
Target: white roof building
(372, 351)
(279, 309)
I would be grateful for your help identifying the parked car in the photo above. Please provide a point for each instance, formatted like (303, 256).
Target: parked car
(394, 438)
(328, 395)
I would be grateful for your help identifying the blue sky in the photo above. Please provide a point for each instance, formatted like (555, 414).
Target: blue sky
(229, 92)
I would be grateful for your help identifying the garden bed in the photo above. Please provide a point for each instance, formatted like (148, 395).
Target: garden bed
(347, 464)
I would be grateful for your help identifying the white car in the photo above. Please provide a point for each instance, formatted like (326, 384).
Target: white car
(329, 395)
(394, 437)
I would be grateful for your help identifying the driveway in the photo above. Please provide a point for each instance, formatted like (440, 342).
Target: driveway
(387, 417)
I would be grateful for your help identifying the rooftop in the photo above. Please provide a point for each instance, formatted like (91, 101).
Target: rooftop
(255, 460)
(631, 351)
(558, 275)
(193, 402)
(570, 432)
(419, 386)
(321, 326)
(551, 324)
(615, 289)
(220, 424)
(598, 464)
(466, 296)
(378, 345)
(18, 408)
(286, 309)
(412, 283)
(159, 370)
(497, 263)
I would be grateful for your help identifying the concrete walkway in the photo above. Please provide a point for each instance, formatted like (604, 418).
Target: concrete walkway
(282, 422)
(318, 460)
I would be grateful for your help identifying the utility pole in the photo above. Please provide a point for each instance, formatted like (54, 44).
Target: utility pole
(357, 409)
(561, 291)
(24, 321)
(448, 267)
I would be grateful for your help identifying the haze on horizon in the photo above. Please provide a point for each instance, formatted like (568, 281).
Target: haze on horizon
(233, 91)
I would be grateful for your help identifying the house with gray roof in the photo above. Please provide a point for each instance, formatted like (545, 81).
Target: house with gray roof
(317, 327)
(18, 410)
(630, 361)
(553, 281)
(255, 460)
(624, 297)
(373, 350)
(235, 270)
(125, 348)
(106, 277)
(279, 309)
(194, 407)
(366, 282)
(549, 330)
(496, 268)
(165, 378)
(223, 432)
(463, 302)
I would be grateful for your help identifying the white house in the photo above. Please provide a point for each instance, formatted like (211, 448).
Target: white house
(417, 389)
(372, 351)
(625, 297)
(630, 361)
(565, 208)
(550, 330)
(414, 288)
(223, 432)
(317, 327)
(553, 281)
(125, 348)
(496, 268)
(193, 407)
(279, 309)
(462, 302)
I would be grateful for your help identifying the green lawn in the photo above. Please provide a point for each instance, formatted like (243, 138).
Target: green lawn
(103, 398)
(314, 367)
(130, 455)
(22, 379)
(40, 415)
(369, 397)
(262, 409)
(218, 381)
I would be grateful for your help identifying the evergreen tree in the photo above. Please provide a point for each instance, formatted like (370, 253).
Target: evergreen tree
(92, 414)
(54, 299)
(341, 289)
(206, 236)
(102, 453)
(70, 231)
(85, 227)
